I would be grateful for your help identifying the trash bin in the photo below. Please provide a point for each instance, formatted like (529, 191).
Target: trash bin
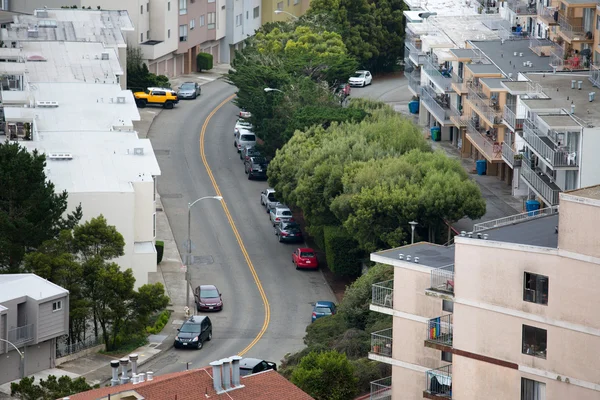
(413, 107)
(532, 207)
(481, 167)
(436, 134)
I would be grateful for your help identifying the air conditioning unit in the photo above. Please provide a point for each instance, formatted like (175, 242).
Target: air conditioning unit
(138, 151)
(121, 100)
(60, 156)
(105, 56)
(46, 104)
(32, 32)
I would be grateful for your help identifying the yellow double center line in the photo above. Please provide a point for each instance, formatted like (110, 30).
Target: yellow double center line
(235, 231)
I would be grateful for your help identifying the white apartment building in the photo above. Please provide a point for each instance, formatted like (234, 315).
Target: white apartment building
(243, 18)
(63, 99)
(507, 313)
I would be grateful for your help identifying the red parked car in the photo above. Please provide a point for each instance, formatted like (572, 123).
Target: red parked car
(304, 257)
(208, 298)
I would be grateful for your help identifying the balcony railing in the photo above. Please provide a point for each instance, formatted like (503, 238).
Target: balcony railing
(541, 47)
(486, 144)
(439, 330)
(381, 343)
(414, 81)
(509, 155)
(457, 117)
(514, 123)
(595, 74)
(514, 219)
(442, 279)
(21, 335)
(381, 389)
(572, 28)
(486, 107)
(522, 7)
(383, 294)
(459, 83)
(434, 105)
(547, 149)
(415, 53)
(540, 183)
(434, 71)
(439, 382)
(549, 14)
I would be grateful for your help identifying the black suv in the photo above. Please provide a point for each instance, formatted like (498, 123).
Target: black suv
(288, 231)
(194, 332)
(256, 167)
(249, 366)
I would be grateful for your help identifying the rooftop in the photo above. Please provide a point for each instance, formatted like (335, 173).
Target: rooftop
(96, 161)
(493, 83)
(198, 383)
(483, 68)
(502, 54)
(430, 255)
(590, 192)
(445, 7)
(456, 30)
(534, 232)
(13, 286)
(558, 87)
(559, 122)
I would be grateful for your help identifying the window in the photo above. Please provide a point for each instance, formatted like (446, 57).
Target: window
(201, 21)
(183, 33)
(280, 5)
(141, 37)
(535, 288)
(192, 24)
(532, 390)
(247, 14)
(534, 341)
(147, 7)
(141, 9)
(446, 356)
(238, 20)
(288, 3)
(154, 225)
(182, 7)
(211, 1)
(256, 12)
(169, 6)
(148, 35)
(154, 194)
(296, 2)
(211, 20)
(597, 21)
(447, 305)
(168, 34)
(57, 306)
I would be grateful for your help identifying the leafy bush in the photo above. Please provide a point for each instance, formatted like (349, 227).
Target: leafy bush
(160, 250)
(290, 361)
(160, 323)
(325, 330)
(354, 343)
(204, 61)
(341, 250)
(366, 371)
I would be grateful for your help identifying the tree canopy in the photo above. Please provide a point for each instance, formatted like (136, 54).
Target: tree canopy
(49, 389)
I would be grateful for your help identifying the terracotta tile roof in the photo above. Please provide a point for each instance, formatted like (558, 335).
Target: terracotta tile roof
(197, 384)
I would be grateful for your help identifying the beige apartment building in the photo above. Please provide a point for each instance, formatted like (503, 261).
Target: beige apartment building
(509, 312)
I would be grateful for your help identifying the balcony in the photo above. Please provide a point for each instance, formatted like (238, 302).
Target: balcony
(440, 77)
(457, 117)
(21, 335)
(548, 14)
(383, 294)
(439, 330)
(488, 108)
(547, 149)
(595, 74)
(437, 105)
(522, 7)
(459, 85)
(511, 120)
(415, 54)
(540, 183)
(414, 82)
(484, 141)
(381, 343)
(381, 389)
(439, 383)
(514, 160)
(571, 29)
(442, 282)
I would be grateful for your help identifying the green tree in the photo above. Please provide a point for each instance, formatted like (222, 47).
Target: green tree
(31, 212)
(326, 376)
(49, 389)
(139, 78)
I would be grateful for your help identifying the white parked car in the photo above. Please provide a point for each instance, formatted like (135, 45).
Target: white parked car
(280, 213)
(244, 114)
(361, 78)
(242, 124)
(244, 138)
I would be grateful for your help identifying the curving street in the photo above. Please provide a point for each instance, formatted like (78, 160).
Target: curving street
(218, 258)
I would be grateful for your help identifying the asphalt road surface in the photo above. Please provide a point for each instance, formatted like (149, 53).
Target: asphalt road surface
(175, 136)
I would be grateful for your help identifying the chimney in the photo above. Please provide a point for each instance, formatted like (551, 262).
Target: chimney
(133, 358)
(141, 377)
(149, 376)
(134, 379)
(226, 373)
(572, 108)
(124, 378)
(591, 96)
(114, 364)
(573, 81)
(235, 371)
(216, 367)
(579, 83)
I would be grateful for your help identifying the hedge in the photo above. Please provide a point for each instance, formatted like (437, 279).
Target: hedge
(204, 61)
(160, 250)
(160, 323)
(341, 251)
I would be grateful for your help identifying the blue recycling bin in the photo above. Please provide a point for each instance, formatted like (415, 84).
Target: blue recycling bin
(481, 167)
(413, 107)
(532, 207)
(436, 135)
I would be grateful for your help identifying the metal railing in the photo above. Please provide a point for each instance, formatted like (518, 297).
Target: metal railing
(556, 157)
(542, 47)
(435, 75)
(21, 335)
(414, 81)
(381, 342)
(383, 294)
(531, 177)
(439, 381)
(63, 350)
(482, 142)
(516, 124)
(510, 156)
(522, 7)
(415, 53)
(442, 114)
(547, 13)
(459, 83)
(595, 74)
(442, 279)
(439, 330)
(482, 104)
(381, 389)
(514, 219)
(571, 27)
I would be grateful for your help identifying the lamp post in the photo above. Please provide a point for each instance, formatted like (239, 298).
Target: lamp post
(20, 354)
(188, 257)
(268, 89)
(285, 12)
(413, 224)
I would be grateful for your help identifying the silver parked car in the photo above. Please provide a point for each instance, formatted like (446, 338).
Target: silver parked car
(280, 213)
(244, 138)
(189, 90)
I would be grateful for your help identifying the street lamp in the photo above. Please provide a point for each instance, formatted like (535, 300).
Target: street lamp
(268, 89)
(412, 227)
(20, 354)
(188, 257)
(285, 12)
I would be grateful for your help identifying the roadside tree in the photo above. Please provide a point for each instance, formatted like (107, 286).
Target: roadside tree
(50, 389)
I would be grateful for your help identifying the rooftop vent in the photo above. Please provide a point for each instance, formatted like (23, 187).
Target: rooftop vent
(32, 32)
(138, 151)
(408, 258)
(46, 104)
(105, 56)
(401, 256)
(416, 260)
(60, 156)
(41, 13)
(121, 99)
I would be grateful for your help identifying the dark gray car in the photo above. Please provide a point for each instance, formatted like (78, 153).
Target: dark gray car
(189, 90)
